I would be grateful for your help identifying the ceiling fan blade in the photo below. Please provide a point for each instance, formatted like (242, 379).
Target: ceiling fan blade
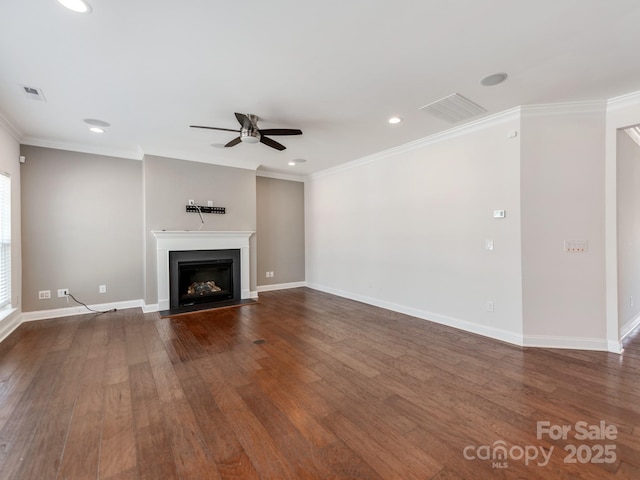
(281, 131)
(233, 142)
(244, 120)
(214, 128)
(271, 143)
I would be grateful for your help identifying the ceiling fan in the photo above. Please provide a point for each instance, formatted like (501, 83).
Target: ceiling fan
(250, 133)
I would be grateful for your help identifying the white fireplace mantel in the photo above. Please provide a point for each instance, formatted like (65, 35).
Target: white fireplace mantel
(181, 240)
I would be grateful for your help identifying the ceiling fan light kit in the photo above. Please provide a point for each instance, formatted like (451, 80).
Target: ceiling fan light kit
(250, 133)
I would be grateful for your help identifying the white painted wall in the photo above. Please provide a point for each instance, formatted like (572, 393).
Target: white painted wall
(407, 230)
(563, 199)
(628, 172)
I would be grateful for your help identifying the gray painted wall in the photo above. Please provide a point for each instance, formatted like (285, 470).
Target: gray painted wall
(170, 183)
(81, 227)
(280, 209)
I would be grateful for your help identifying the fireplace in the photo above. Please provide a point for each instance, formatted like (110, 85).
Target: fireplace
(194, 241)
(203, 276)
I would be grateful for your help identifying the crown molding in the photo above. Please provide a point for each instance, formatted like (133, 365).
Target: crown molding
(10, 128)
(280, 176)
(469, 127)
(130, 153)
(569, 108)
(200, 157)
(623, 101)
(138, 153)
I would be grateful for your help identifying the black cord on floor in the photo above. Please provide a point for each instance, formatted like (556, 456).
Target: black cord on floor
(99, 312)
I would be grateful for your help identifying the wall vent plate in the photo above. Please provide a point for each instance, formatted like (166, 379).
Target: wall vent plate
(454, 108)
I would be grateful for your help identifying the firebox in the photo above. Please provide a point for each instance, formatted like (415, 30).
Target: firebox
(203, 276)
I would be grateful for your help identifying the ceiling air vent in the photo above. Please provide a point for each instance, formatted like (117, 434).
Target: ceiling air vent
(34, 93)
(453, 108)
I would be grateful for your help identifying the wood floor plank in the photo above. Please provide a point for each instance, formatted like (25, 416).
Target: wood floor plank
(154, 454)
(49, 438)
(17, 433)
(190, 455)
(336, 389)
(81, 454)
(374, 454)
(117, 442)
(250, 432)
(230, 458)
(303, 458)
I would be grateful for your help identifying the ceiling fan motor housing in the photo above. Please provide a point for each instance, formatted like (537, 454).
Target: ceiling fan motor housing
(250, 135)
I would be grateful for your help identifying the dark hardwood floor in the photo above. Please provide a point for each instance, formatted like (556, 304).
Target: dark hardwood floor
(335, 390)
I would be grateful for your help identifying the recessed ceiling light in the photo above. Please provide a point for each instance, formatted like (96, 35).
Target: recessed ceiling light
(96, 130)
(394, 120)
(296, 161)
(94, 122)
(78, 6)
(292, 163)
(494, 79)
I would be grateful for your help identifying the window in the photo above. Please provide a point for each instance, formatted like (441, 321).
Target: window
(5, 240)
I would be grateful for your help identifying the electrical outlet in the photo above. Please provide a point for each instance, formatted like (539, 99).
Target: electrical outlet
(44, 294)
(102, 289)
(576, 246)
(191, 202)
(490, 306)
(63, 292)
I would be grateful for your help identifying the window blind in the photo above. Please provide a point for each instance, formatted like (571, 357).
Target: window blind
(5, 240)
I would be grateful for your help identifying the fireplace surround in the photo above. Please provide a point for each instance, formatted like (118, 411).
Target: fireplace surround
(185, 241)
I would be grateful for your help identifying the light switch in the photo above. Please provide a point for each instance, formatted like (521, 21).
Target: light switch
(488, 244)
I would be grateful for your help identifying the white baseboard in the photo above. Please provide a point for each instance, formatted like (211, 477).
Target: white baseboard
(573, 343)
(515, 338)
(9, 323)
(281, 286)
(77, 310)
(629, 327)
(151, 307)
(491, 332)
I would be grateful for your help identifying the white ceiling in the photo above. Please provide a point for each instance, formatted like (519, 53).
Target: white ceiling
(337, 69)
